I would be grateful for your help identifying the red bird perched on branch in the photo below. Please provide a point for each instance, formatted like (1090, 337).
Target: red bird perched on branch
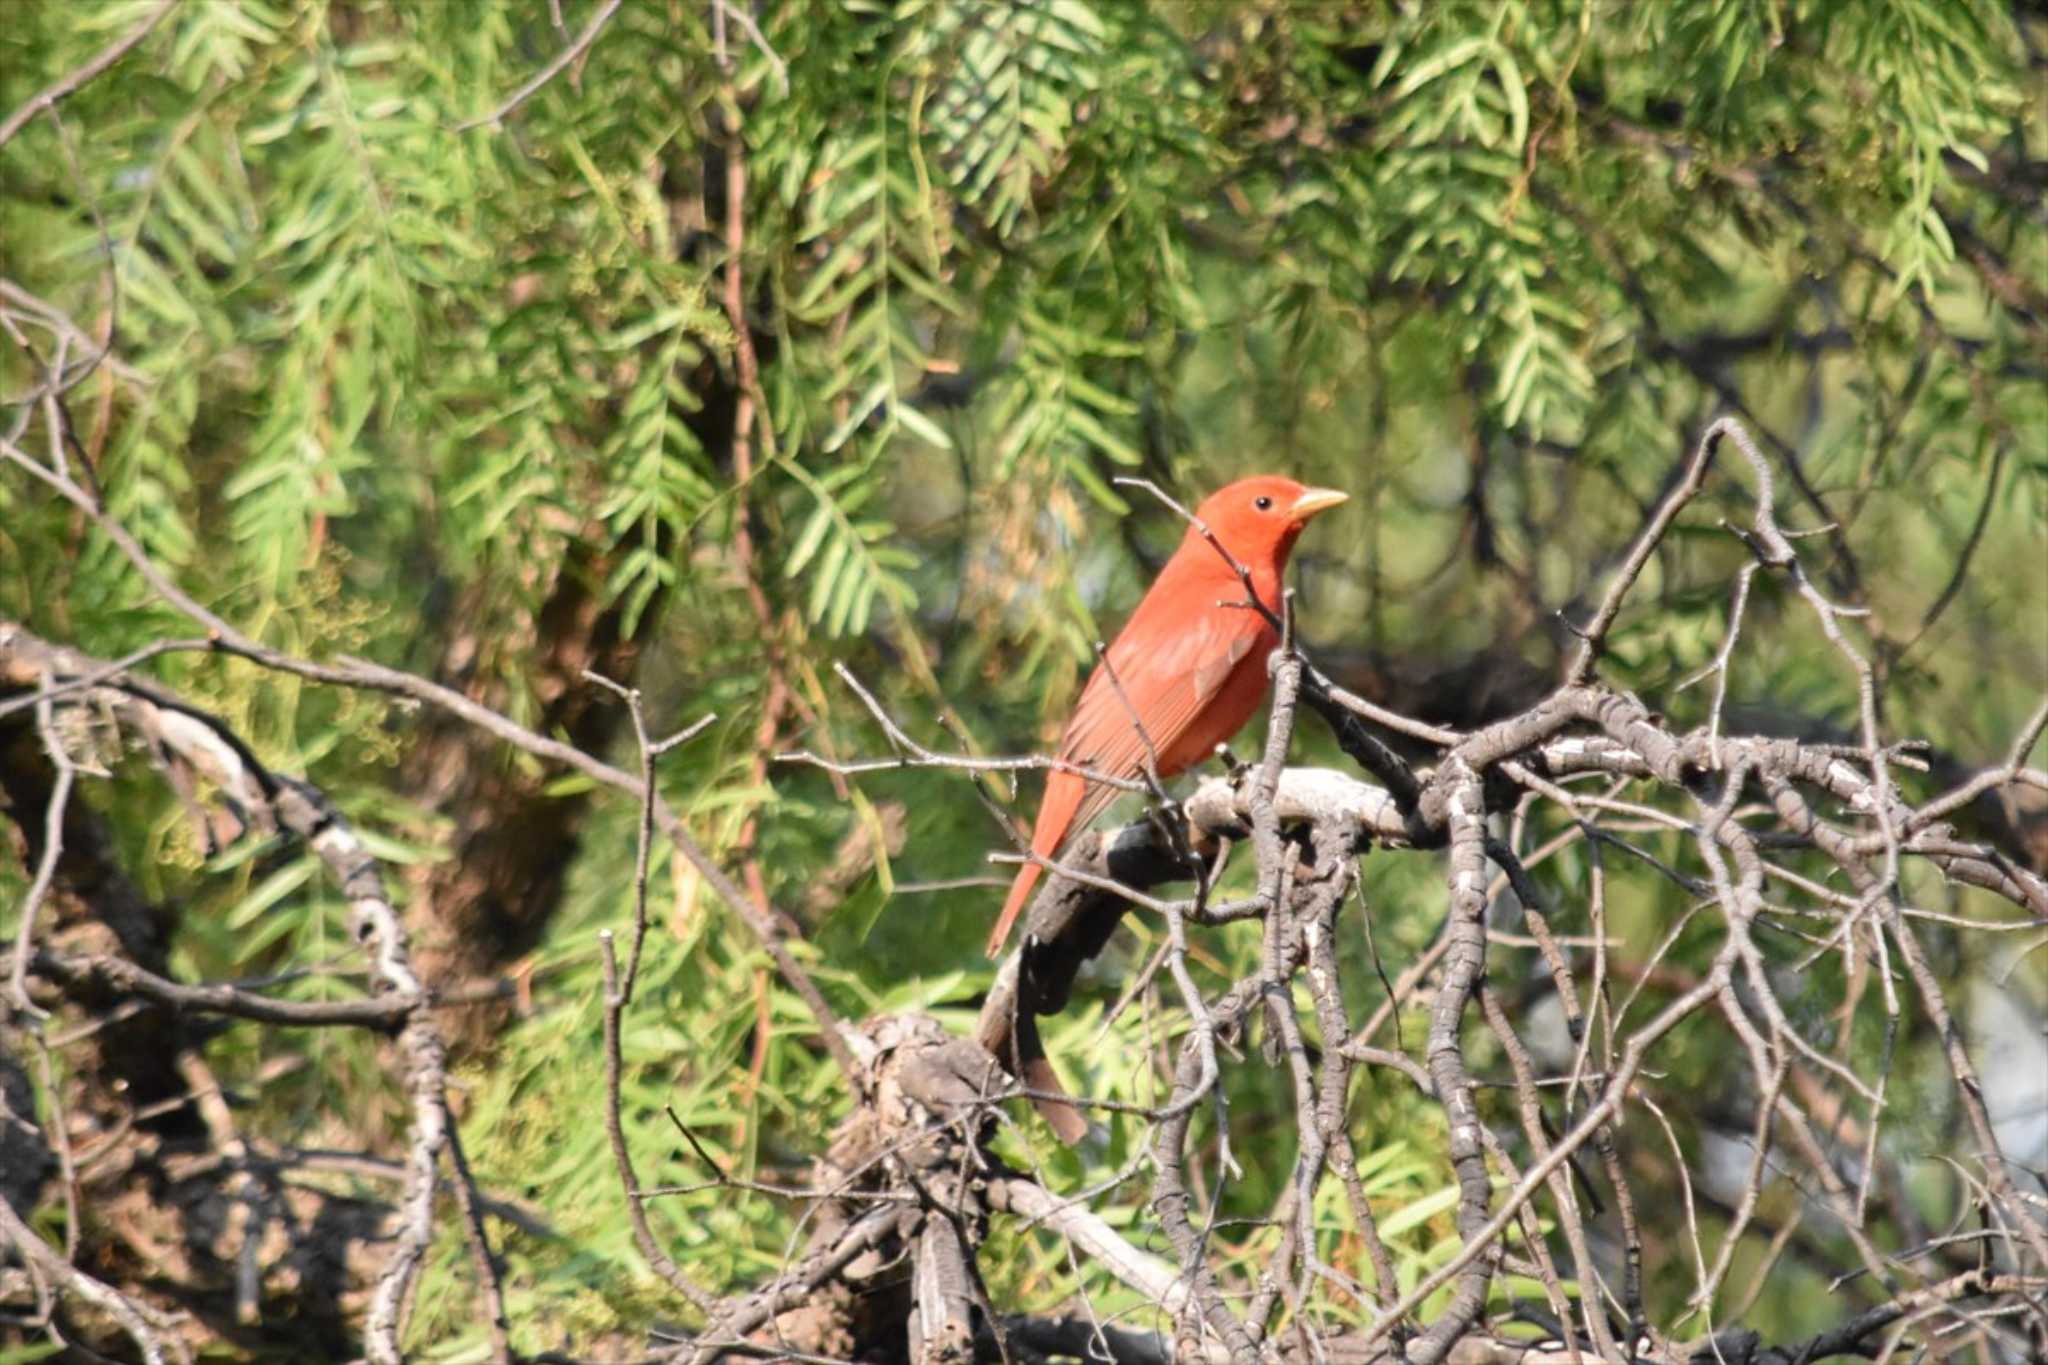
(1188, 670)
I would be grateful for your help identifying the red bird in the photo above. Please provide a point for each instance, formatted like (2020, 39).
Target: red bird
(1190, 663)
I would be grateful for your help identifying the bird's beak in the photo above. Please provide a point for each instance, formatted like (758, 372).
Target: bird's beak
(1316, 500)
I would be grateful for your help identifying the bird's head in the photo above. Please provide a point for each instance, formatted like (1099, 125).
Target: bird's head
(1257, 519)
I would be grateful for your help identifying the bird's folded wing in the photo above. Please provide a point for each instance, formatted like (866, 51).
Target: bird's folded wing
(1162, 680)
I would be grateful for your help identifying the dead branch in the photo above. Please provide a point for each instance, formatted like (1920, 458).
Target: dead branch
(70, 83)
(193, 746)
(1546, 1143)
(560, 63)
(1300, 822)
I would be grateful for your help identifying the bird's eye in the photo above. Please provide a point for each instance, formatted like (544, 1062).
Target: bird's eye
(1263, 504)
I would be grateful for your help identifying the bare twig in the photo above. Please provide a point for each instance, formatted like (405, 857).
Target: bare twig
(46, 866)
(192, 742)
(622, 1157)
(150, 1331)
(651, 751)
(72, 81)
(1593, 636)
(554, 68)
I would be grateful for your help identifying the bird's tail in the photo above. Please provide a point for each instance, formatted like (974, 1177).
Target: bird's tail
(1064, 793)
(1020, 895)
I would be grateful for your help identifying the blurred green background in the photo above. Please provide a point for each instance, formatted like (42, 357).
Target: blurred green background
(463, 400)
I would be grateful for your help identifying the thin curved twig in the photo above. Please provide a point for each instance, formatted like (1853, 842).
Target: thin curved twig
(554, 68)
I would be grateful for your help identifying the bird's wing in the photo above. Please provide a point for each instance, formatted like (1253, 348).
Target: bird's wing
(1166, 677)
